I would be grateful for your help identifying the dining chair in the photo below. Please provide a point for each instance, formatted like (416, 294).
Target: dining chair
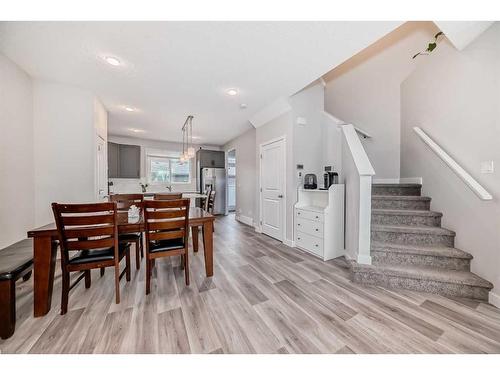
(166, 224)
(210, 202)
(124, 202)
(204, 201)
(88, 238)
(167, 196)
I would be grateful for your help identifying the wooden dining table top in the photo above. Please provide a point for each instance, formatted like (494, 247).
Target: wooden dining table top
(197, 217)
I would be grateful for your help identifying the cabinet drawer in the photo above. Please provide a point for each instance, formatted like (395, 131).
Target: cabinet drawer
(311, 227)
(310, 215)
(309, 243)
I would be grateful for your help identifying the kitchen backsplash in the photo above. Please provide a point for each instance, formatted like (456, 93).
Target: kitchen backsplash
(131, 185)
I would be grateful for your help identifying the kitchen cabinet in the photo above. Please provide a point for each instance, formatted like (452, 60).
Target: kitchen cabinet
(210, 159)
(124, 161)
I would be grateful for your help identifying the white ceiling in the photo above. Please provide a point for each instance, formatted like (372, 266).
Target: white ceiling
(172, 69)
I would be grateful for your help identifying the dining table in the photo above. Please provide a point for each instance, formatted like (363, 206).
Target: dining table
(45, 244)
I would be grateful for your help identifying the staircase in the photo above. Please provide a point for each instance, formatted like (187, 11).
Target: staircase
(410, 250)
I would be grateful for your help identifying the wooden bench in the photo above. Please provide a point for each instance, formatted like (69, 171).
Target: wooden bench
(16, 261)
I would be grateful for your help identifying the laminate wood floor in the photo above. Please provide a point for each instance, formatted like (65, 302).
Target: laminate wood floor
(263, 298)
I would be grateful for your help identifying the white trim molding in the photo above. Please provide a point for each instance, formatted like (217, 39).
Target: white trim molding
(244, 219)
(288, 242)
(494, 299)
(454, 166)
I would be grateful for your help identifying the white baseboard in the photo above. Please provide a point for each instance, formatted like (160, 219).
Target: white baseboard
(288, 242)
(403, 180)
(245, 220)
(364, 259)
(494, 299)
(257, 228)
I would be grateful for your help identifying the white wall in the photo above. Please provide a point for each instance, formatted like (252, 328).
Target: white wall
(64, 147)
(131, 185)
(245, 174)
(365, 91)
(308, 104)
(17, 192)
(454, 97)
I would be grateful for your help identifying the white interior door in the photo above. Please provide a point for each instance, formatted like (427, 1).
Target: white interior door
(272, 181)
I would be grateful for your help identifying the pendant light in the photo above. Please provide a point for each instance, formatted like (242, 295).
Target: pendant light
(188, 151)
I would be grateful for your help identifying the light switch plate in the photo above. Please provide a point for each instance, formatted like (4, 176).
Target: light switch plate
(487, 166)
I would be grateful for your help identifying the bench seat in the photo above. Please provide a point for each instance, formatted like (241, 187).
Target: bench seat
(16, 261)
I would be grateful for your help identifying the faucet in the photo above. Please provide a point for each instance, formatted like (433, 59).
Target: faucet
(169, 187)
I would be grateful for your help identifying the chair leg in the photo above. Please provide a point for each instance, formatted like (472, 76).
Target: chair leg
(117, 282)
(27, 276)
(102, 271)
(7, 308)
(183, 261)
(142, 246)
(137, 250)
(64, 292)
(127, 264)
(186, 267)
(148, 275)
(88, 279)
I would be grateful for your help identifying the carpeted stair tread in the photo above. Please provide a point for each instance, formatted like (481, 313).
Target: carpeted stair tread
(428, 273)
(438, 251)
(394, 185)
(412, 229)
(401, 197)
(386, 211)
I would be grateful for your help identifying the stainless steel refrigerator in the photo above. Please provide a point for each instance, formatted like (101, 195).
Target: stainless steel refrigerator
(215, 179)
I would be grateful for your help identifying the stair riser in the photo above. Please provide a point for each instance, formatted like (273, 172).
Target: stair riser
(412, 238)
(382, 258)
(385, 190)
(428, 286)
(430, 221)
(401, 204)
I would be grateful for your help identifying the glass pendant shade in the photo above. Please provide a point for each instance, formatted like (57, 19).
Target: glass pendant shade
(190, 152)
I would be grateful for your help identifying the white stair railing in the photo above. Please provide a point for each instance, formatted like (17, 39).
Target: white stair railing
(480, 191)
(357, 173)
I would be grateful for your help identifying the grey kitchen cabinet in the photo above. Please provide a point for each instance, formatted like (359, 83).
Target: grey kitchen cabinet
(211, 159)
(124, 161)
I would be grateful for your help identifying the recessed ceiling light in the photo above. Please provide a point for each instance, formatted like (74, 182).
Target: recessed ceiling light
(134, 130)
(112, 60)
(243, 106)
(232, 92)
(129, 109)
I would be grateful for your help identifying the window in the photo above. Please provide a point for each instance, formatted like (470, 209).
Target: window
(170, 170)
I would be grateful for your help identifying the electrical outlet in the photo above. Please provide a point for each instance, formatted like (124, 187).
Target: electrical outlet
(487, 166)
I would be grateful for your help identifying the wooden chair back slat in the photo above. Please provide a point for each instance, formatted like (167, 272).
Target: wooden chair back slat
(85, 232)
(87, 220)
(167, 235)
(167, 196)
(85, 208)
(162, 204)
(171, 214)
(164, 225)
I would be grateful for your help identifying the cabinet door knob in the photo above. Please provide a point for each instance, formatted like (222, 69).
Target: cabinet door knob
(298, 238)
(317, 230)
(316, 245)
(298, 224)
(317, 217)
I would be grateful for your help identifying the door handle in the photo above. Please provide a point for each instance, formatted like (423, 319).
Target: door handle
(280, 196)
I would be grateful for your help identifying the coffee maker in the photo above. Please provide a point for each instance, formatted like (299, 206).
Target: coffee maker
(329, 178)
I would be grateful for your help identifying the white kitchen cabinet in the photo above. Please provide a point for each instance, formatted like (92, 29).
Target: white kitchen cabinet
(319, 222)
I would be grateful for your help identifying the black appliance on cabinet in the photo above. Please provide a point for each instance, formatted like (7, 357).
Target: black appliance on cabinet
(310, 181)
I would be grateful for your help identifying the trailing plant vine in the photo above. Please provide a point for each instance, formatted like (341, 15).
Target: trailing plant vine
(431, 47)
